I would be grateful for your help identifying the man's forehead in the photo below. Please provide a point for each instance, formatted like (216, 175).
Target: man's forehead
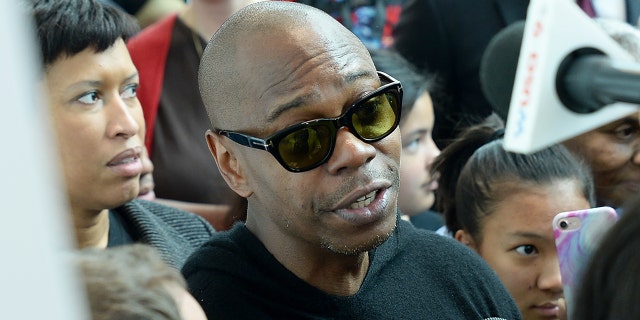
(328, 34)
(301, 99)
(285, 58)
(276, 65)
(348, 85)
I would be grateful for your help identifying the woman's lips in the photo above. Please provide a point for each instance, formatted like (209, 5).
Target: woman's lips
(127, 163)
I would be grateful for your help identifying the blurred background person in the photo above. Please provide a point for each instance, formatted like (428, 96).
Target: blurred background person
(133, 283)
(417, 184)
(167, 55)
(612, 151)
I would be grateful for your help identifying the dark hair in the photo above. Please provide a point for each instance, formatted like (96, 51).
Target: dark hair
(129, 282)
(480, 166)
(71, 26)
(414, 83)
(610, 287)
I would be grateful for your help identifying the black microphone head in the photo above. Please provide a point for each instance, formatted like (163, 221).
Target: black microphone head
(498, 67)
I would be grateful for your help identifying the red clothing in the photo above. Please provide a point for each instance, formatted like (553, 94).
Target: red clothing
(149, 51)
(167, 58)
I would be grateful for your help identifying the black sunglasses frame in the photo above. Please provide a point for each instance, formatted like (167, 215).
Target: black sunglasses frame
(270, 143)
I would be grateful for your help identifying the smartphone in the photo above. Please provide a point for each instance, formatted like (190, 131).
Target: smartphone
(577, 235)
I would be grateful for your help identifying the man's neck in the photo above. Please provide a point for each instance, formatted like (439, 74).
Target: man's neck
(334, 273)
(91, 228)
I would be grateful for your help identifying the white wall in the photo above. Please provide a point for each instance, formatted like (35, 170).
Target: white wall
(35, 280)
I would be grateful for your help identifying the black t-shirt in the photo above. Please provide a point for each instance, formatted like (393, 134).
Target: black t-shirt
(415, 274)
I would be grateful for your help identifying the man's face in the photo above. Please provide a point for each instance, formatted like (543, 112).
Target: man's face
(612, 153)
(347, 205)
(97, 119)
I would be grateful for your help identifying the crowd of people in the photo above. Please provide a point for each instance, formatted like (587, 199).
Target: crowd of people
(260, 159)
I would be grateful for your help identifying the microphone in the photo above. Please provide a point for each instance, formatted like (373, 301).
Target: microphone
(498, 67)
(589, 80)
(551, 76)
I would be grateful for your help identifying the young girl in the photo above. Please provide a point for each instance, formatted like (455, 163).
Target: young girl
(417, 184)
(502, 205)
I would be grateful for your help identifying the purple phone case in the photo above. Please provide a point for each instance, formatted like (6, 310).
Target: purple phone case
(577, 243)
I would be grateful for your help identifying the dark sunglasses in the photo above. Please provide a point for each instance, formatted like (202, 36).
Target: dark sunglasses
(309, 144)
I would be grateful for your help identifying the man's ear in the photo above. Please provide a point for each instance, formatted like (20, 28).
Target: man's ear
(228, 164)
(466, 239)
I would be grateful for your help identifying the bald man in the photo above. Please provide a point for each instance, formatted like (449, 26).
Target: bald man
(307, 130)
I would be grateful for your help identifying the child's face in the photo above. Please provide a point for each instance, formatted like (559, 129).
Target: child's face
(518, 243)
(417, 186)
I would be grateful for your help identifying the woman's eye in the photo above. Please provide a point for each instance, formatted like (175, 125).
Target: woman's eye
(526, 250)
(89, 98)
(130, 91)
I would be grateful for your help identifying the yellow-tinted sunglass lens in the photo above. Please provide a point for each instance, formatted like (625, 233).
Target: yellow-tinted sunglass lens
(376, 116)
(305, 147)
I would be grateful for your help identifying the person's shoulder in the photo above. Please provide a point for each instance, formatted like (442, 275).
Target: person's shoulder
(232, 240)
(429, 248)
(457, 277)
(224, 251)
(413, 234)
(181, 220)
(447, 265)
(429, 220)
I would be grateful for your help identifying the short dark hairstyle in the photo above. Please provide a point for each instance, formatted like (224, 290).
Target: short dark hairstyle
(414, 83)
(477, 167)
(129, 282)
(610, 286)
(67, 27)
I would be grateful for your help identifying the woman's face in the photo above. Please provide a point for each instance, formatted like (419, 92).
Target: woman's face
(418, 152)
(517, 242)
(611, 152)
(98, 121)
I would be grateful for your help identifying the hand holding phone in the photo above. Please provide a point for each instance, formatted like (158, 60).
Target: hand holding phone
(577, 235)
